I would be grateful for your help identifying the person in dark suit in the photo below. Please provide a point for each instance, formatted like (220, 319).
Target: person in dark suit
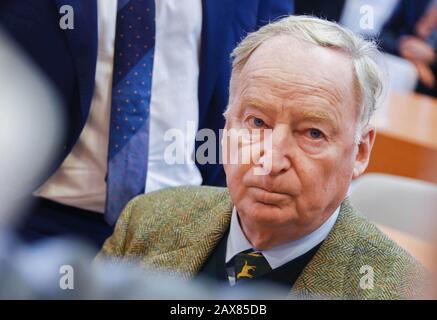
(410, 33)
(127, 71)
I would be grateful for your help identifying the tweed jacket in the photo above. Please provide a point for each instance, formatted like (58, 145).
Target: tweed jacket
(176, 229)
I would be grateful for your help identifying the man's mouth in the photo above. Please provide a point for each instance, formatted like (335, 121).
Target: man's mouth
(269, 197)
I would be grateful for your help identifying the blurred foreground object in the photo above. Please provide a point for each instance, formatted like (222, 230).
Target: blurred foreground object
(406, 143)
(60, 269)
(30, 127)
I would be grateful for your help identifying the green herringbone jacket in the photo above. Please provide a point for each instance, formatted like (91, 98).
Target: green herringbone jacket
(176, 229)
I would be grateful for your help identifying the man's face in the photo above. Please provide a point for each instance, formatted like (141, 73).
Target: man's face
(305, 94)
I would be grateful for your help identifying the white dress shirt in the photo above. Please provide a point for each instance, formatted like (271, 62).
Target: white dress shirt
(280, 255)
(80, 181)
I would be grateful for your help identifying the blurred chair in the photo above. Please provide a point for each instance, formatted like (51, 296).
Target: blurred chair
(405, 209)
(402, 74)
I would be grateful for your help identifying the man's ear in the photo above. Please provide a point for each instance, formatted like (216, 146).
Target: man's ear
(365, 145)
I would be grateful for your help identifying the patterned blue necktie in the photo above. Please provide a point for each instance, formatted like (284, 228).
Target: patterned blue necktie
(129, 126)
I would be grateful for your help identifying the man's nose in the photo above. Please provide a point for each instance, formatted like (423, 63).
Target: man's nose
(275, 159)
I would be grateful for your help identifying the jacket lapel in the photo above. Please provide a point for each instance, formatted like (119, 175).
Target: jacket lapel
(195, 241)
(325, 275)
(83, 41)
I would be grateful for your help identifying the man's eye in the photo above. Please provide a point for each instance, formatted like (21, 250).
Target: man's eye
(315, 134)
(257, 122)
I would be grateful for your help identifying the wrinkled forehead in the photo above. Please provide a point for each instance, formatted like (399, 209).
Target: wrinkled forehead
(285, 66)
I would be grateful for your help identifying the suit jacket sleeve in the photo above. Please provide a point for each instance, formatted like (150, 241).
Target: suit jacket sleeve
(392, 30)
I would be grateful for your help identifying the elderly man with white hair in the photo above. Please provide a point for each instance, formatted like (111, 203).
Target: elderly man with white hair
(303, 90)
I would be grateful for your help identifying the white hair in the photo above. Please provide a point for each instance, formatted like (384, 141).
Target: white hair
(363, 53)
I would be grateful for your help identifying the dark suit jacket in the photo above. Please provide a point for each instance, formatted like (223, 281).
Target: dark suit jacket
(176, 229)
(330, 10)
(68, 57)
(402, 22)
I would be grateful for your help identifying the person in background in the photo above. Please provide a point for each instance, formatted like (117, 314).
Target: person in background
(411, 33)
(127, 71)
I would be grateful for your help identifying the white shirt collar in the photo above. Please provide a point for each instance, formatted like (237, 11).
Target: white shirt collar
(280, 255)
